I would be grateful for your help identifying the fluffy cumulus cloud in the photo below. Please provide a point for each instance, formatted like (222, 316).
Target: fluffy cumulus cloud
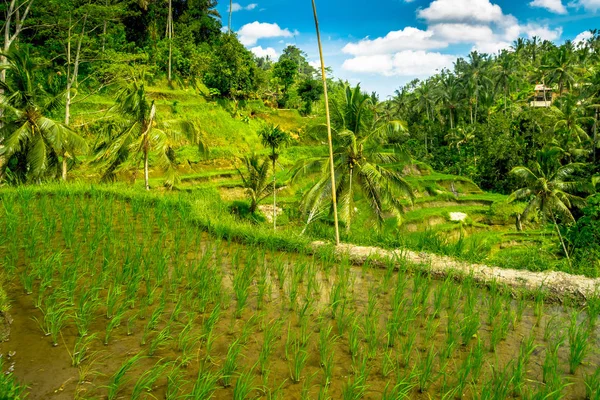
(250, 33)
(588, 5)
(403, 63)
(268, 52)
(582, 38)
(542, 31)
(461, 11)
(408, 38)
(555, 6)
(462, 33)
(413, 51)
(235, 7)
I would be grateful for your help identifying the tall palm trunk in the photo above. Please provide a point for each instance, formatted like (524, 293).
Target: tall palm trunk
(274, 193)
(170, 37)
(329, 138)
(562, 241)
(146, 145)
(230, 13)
(351, 197)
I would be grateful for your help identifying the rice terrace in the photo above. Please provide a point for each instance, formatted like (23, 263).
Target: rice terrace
(193, 208)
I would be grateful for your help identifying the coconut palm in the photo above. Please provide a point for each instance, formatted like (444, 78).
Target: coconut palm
(549, 188)
(255, 180)
(273, 137)
(33, 142)
(138, 134)
(560, 66)
(569, 120)
(363, 162)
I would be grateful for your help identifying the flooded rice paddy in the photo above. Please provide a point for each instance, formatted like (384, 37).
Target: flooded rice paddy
(128, 300)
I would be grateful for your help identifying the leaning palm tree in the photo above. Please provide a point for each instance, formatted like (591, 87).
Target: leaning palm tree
(255, 180)
(363, 162)
(273, 137)
(33, 142)
(548, 187)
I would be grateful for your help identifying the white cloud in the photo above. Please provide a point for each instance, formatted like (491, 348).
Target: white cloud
(555, 6)
(407, 39)
(582, 38)
(235, 7)
(542, 31)
(462, 11)
(252, 32)
(491, 47)
(315, 64)
(268, 52)
(461, 33)
(403, 63)
(588, 5)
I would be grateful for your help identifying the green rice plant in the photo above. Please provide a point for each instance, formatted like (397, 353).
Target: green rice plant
(401, 390)
(494, 303)
(520, 366)
(280, 270)
(469, 327)
(112, 297)
(204, 386)
(263, 286)
(55, 318)
(81, 348)
(174, 384)
(592, 385)
(244, 386)
(242, 280)
(160, 340)
(294, 290)
(593, 307)
(297, 356)
(119, 378)
(407, 347)
(390, 363)
(27, 278)
(425, 367)
(495, 337)
(152, 323)
(114, 322)
(438, 300)
(477, 356)
(326, 352)
(147, 380)
(540, 297)
(431, 328)
(550, 368)
(354, 389)
(498, 385)
(210, 322)
(578, 343)
(187, 345)
(131, 290)
(230, 364)
(10, 388)
(354, 339)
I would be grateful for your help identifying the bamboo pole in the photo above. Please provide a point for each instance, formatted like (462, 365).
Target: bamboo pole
(331, 165)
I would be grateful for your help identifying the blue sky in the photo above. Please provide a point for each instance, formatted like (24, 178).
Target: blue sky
(385, 43)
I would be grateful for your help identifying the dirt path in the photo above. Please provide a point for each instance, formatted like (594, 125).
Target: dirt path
(559, 285)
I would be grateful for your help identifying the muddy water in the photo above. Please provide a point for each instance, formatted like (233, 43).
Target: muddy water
(370, 292)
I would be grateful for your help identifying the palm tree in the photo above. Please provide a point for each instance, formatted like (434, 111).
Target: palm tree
(560, 65)
(549, 188)
(449, 94)
(504, 71)
(363, 161)
(139, 135)
(32, 140)
(462, 136)
(273, 137)
(569, 118)
(255, 180)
